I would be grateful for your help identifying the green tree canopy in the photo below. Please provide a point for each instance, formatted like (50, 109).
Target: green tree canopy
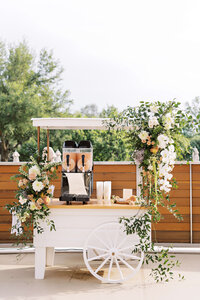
(29, 87)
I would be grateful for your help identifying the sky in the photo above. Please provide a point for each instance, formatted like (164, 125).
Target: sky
(114, 52)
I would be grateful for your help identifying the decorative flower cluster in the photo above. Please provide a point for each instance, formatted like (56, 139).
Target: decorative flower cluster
(34, 191)
(159, 142)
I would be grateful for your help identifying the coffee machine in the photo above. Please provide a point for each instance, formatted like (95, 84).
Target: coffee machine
(77, 172)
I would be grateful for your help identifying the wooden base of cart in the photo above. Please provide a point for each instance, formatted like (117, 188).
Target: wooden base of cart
(95, 228)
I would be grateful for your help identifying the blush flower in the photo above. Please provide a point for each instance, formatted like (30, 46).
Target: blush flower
(33, 172)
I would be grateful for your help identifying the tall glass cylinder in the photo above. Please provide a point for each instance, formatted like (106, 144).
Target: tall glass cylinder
(107, 192)
(99, 190)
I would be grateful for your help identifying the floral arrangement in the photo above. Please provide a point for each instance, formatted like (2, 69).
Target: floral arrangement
(33, 196)
(154, 131)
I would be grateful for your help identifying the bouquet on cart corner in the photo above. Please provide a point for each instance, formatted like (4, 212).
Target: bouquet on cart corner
(32, 198)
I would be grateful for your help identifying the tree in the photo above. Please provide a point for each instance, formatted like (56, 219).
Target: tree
(29, 87)
(90, 111)
(194, 107)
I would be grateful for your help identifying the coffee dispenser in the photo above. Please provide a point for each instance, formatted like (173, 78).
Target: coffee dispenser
(77, 171)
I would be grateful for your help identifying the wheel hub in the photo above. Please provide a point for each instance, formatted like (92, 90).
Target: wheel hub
(113, 252)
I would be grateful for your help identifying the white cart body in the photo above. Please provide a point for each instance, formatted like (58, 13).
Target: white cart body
(74, 224)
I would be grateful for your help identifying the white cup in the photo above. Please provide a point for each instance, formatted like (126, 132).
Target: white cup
(99, 190)
(127, 193)
(107, 192)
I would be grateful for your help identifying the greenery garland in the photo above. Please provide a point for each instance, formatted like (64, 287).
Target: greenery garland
(154, 131)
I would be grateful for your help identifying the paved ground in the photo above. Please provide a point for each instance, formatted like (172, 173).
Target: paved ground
(69, 279)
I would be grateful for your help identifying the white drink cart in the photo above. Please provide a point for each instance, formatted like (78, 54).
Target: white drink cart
(108, 251)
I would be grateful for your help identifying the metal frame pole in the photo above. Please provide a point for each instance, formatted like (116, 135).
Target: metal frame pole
(38, 140)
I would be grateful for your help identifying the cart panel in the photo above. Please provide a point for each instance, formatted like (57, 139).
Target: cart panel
(73, 226)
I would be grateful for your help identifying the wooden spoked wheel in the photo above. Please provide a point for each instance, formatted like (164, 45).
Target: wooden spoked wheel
(109, 253)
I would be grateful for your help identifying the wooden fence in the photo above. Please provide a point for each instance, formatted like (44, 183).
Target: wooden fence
(123, 175)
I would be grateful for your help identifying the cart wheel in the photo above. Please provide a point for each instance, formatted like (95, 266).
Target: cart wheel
(109, 253)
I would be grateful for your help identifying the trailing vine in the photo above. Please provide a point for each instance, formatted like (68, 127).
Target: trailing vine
(154, 131)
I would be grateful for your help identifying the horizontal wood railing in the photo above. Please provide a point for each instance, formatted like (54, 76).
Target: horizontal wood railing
(123, 175)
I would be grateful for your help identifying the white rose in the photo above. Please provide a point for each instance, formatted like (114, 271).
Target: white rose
(33, 206)
(22, 200)
(143, 135)
(154, 108)
(37, 186)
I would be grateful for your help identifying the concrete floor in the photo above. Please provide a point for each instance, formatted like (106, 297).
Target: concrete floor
(69, 279)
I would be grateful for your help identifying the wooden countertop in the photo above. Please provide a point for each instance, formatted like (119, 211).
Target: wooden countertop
(92, 204)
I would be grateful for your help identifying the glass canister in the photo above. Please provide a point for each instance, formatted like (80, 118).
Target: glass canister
(84, 157)
(69, 156)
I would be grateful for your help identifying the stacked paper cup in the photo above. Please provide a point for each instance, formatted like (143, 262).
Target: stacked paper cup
(99, 190)
(103, 190)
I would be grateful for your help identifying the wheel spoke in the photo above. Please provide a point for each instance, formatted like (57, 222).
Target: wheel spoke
(125, 248)
(110, 267)
(97, 248)
(118, 267)
(120, 244)
(97, 257)
(116, 238)
(101, 265)
(125, 263)
(109, 241)
(130, 256)
(101, 241)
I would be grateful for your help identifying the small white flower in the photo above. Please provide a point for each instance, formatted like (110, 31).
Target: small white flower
(153, 122)
(163, 141)
(168, 176)
(150, 168)
(37, 186)
(165, 156)
(143, 135)
(168, 121)
(171, 148)
(22, 200)
(154, 108)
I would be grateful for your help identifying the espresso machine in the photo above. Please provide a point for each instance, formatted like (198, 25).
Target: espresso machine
(77, 172)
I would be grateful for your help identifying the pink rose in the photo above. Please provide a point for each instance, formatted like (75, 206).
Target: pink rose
(32, 176)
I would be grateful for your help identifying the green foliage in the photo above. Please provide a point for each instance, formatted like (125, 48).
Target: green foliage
(29, 87)
(163, 260)
(32, 198)
(195, 142)
(155, 132)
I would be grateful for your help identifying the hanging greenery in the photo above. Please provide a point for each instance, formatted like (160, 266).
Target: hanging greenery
(154, 131)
